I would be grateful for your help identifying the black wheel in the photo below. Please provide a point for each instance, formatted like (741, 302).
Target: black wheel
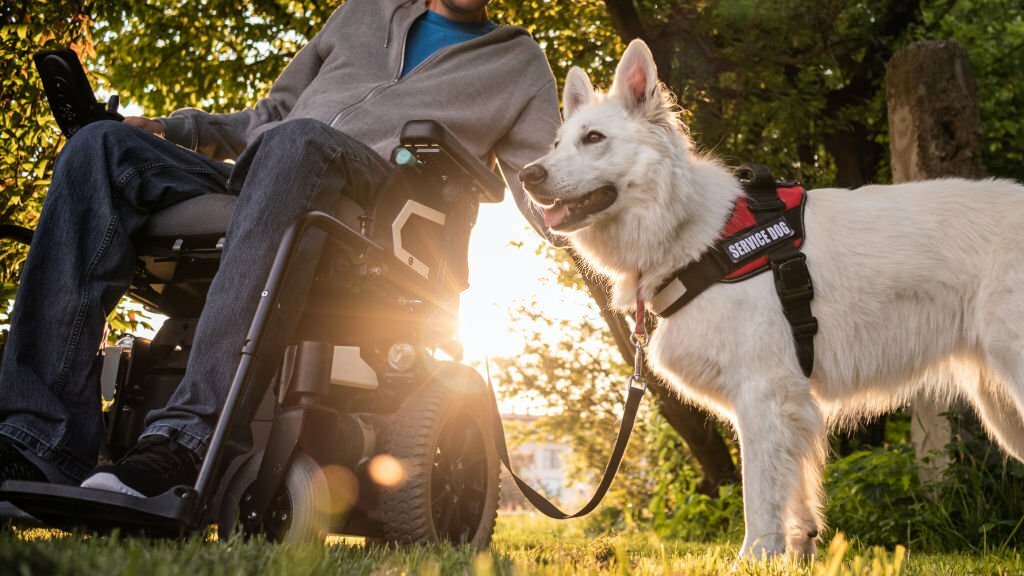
(300, 511)
(449, 490)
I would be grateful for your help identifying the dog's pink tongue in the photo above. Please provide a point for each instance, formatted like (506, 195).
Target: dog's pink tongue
(555, 215)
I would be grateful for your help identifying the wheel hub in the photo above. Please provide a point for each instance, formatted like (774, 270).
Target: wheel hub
(459, 480)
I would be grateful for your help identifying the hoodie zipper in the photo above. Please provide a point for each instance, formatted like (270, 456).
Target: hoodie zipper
(398, 78)
(401, 63)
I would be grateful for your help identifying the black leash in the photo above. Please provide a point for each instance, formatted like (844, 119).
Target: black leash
(637, 387)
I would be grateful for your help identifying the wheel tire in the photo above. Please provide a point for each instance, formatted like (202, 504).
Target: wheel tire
(300, 511)
(442, 437)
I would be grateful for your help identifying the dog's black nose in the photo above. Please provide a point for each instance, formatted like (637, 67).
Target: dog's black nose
(533, 174)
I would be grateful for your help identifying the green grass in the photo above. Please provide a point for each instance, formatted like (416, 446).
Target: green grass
(522, 545)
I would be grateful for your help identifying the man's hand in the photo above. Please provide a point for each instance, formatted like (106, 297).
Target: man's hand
(143, 123)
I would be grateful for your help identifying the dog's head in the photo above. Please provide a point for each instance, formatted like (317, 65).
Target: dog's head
(610, 149)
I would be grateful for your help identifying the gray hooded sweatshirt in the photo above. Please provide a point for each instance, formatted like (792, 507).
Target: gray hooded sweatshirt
(496, 93)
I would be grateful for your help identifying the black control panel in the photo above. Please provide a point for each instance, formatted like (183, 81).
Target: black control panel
(67, 89)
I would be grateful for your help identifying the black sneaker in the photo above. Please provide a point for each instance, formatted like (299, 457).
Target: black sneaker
(153, 467)
(15, 466)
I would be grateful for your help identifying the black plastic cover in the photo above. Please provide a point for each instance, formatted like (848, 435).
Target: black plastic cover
(430, 133)
(67, 89)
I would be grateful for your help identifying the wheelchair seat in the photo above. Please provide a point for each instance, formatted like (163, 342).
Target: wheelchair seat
(180, 247)
(205, 215)
(209, 215)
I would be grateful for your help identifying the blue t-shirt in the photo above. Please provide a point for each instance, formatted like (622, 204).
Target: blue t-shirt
(431, 32)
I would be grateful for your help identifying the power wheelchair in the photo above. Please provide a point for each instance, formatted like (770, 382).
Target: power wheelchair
(369, 425)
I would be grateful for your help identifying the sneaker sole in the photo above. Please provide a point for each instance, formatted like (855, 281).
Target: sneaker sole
(110, 483)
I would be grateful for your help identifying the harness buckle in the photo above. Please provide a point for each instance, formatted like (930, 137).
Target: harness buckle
(804, 329)
(765, 204)
(792, 280)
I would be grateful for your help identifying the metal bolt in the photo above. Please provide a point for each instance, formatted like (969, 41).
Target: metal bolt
(252, 515)
(264, 293)
(248, 498)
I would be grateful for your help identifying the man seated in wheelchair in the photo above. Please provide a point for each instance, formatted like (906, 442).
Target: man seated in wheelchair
(317, 141)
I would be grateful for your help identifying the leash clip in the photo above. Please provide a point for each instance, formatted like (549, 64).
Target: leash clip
(637, 380)
(638, 383)
(639, 338)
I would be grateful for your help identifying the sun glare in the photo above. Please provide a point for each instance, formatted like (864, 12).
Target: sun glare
(506, 274)
(502, 277)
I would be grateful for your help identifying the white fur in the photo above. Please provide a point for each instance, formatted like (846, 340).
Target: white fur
(917, 288)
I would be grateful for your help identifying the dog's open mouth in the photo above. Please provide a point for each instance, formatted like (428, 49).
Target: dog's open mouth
(563, 214)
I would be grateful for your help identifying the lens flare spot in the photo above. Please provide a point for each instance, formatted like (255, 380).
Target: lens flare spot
(386, 470)
(344, 489)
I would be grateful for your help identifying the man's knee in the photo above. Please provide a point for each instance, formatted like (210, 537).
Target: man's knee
(99, 135)
(304, 133)
(94, 142)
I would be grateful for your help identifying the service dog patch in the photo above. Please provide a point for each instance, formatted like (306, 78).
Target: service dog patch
(758, 240)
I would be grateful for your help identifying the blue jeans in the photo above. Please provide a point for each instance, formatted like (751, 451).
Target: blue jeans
(107, 180)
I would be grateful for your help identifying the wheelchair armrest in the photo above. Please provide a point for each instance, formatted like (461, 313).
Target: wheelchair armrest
(424, 135)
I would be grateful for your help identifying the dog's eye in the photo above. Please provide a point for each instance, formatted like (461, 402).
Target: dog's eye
(593, 137)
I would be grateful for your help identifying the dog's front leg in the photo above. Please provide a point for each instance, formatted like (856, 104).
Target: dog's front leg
(781, 430)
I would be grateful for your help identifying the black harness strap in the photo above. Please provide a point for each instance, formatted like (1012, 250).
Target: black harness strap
(788, 263)
(712, 267)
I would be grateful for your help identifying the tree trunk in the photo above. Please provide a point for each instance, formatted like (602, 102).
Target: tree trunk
(934, 131)
(855, 155)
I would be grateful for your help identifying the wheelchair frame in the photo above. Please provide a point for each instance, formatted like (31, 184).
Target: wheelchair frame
(305, 417)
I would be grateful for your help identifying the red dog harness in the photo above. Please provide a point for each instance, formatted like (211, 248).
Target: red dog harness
(765, 231)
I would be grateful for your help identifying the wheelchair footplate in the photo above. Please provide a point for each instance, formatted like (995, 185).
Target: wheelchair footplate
(71, 508)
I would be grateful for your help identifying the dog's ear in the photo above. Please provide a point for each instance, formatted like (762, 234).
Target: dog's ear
(636, 79)
(578, 92)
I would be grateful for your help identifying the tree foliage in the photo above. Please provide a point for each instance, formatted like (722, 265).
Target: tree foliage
(796, 85)
(29, 140)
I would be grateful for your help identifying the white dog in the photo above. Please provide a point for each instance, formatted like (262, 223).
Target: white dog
(916, 286)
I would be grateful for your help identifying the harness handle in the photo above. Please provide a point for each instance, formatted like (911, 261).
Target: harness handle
(759, 184)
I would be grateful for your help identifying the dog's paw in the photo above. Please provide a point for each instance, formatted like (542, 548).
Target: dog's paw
(762, 548)
(803, 544)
